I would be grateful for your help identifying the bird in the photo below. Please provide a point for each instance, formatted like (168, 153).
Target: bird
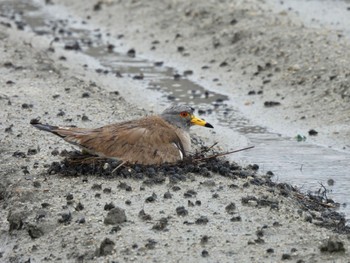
(151, 140)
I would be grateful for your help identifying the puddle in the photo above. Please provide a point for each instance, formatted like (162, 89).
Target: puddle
(303, 164)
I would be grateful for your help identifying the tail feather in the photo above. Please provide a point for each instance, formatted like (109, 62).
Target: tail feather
(45, 127)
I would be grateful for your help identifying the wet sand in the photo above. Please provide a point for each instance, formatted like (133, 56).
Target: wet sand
(213, 212)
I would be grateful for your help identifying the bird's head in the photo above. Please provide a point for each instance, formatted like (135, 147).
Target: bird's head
(182, 116)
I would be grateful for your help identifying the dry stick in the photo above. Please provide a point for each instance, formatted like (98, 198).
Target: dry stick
(222, 154)
(209, 148)
(120, 165)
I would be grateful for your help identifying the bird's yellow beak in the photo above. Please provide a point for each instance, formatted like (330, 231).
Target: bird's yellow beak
(197, 121)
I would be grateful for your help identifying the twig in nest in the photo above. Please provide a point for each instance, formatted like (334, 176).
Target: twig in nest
(220, 154)
(120, 165)
(207, 149)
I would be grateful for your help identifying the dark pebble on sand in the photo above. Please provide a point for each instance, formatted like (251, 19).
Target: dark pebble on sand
(176, 188)
(177, 76)
(230, 208)
(15, 220)
(72, 46)
(181, 211)
(69, 196)
(205, 253)
(270, 250)
(144, 216)
(18, 154)
(286, 256)
(115, 216)
(110, 47)
(61, 113)
(36, 184)
(332, 245)
(66, 218)
(131, 53)
(236, 219)
(27, 106)
(115, 229)
(34, 231)
(79, 207)
(167, 195)
(81, 220)
(269, 104)
(161, 224)
(125, 186)
(203, 220)
(109, 206)
(158, 63)
(85, 95)
(85, 118)
(180, 49)
(204, 240)
(151, 198)
(107, 190)
(106, 247)
(96, 187)
(188, 72)
(190, 193)
(151, 244)
(313, 132)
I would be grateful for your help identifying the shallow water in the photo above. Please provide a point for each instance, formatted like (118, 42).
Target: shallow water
(303, 164)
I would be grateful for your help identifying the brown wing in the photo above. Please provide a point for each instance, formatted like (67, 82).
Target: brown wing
(149, 140)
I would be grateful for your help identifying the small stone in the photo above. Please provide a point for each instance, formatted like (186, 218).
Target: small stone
(36, 184)
(15, 220)
(181, 211)
(205, 253)
(161, 224)
(236, 219)
(203, 220)
(204, 239)
(66, 218)
(34, 231)
(109, 206)
(151, 198)
(313, 132)
(96, 187)
(144, 216)
(270, 250)
(106, 247)
(167, 195)
(115, 216)
(230, 208)
(332, 245)
(79, 207)
(286, 256)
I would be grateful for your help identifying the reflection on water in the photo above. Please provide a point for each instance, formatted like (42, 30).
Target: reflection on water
(300, 163)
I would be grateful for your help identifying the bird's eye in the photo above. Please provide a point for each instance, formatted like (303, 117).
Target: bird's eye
(184, 114)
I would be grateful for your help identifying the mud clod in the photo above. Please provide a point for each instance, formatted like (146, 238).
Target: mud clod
(106, 247)
(66, 218)
(144, 216)
(15, 220)
(332, 245)
(34, 231)
(161, 224)
(203, 220)
(115, 216)
(181, 211)
(230, 208)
